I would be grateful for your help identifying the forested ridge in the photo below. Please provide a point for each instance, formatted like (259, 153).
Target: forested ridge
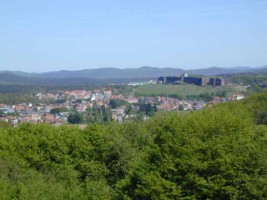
(216, 153)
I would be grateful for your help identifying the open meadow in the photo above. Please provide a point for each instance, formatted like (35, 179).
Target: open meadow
(185, 90)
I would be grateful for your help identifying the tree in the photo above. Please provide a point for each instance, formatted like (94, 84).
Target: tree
(58, 110)
(98, 114)
(5, 124)
(106, 113)
(224, 93)
(148, 109)
(76, 118)
(115, 103)
(262, 118)
(217, 153)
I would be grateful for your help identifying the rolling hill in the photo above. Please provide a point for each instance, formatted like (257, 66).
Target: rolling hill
(130, 73)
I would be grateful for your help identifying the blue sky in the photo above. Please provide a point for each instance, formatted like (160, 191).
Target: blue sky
(49, 35)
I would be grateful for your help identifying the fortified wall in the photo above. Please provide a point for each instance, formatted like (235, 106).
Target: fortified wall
(200, 81)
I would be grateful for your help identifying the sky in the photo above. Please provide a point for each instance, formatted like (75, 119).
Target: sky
(51, 35)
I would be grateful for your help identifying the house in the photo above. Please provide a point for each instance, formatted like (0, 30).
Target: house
(48, 118)
(237, 96)
(164, 107)
(6, 110)
(19, 107)
(81, 108)
(25, 119)
(36, 117)
(131, 100)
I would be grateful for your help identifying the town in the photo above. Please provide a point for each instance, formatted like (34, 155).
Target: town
(98, 105)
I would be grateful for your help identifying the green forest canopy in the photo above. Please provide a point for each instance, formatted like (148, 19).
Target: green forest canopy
(216, 153)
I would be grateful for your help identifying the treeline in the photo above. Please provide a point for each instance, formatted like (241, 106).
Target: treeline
(23, 89)
(207, 96)
(95, 115)
(101, 114)
(257, 82)
(248, 79)
(18, 98)
(9, 82)
(215, 153)
(32, 89)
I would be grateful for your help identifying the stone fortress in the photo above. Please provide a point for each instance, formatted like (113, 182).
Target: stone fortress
(196, 80)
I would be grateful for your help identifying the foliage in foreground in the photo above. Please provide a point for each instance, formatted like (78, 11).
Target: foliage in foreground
(217, 153)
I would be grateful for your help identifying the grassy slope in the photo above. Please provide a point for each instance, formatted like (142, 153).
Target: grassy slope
(183, 90)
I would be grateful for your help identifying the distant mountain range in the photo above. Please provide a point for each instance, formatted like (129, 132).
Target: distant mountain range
(130, 73)
(92, 77)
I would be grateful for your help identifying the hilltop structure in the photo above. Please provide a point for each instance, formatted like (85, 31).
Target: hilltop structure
(185, 79)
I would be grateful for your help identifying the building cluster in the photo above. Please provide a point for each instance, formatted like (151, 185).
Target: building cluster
(196, 80)
(81, 100)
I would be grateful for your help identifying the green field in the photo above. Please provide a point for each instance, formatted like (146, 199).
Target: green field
(184, 90)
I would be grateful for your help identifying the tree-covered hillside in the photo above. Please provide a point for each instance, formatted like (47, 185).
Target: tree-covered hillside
(217, 153)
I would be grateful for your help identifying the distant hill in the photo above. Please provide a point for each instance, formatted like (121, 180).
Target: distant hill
(133, 73)
(105, 73)
(9, 79)
(217, 70)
